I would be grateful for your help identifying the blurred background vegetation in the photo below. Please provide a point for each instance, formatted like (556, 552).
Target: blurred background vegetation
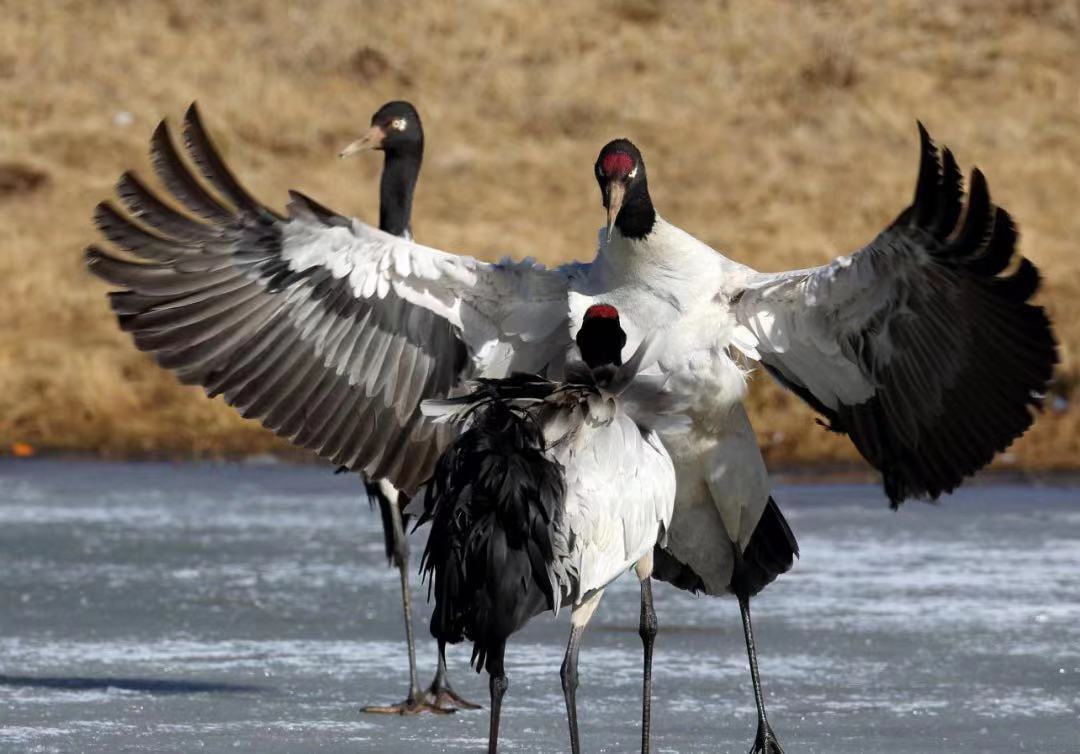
(780, 132)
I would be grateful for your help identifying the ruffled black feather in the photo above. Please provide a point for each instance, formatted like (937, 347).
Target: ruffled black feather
(493, 503)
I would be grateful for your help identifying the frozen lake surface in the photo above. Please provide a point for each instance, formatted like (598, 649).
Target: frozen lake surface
(183, 608)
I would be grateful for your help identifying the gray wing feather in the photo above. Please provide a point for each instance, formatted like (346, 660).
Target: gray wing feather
(217, 302)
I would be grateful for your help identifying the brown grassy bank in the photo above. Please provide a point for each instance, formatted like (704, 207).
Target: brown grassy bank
(780, 132)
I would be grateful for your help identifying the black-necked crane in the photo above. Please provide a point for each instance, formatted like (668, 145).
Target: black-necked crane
(397, 131)
(552, 491)
(922, 347)
(916, 347)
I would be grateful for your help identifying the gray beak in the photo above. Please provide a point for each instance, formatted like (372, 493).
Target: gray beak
(373, 139)
(616, 194)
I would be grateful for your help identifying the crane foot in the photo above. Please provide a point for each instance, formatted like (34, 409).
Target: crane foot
(444, 697)
(765, 742)
(410, 706)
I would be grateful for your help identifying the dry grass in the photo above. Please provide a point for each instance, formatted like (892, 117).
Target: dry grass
(780, 132)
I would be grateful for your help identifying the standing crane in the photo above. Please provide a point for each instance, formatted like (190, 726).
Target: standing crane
(396, 130)
(916, 346)
(552, 491)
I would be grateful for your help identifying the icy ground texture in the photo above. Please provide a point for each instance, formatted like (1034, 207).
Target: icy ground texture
(179, 608)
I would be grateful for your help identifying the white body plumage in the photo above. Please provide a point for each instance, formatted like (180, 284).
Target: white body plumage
(722, 482)
(620, 494)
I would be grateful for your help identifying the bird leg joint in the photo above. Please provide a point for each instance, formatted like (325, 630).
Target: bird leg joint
(569, 675)
(648, 627)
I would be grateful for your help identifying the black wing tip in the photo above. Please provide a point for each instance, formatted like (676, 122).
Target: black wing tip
(161, 133)
(206, 155)
(195, 128)
(928, 193)
(193, 124)
(999, 249)
(926, 143)
(128, 182)
(985, 241)
(95, 256)
(978, 183)
(951, 203)
(1023, 283)
(104, 266)
(950, 167)
(92, 255)
(939, 199)
(1005, 223)
(978, 204)
(103, 210)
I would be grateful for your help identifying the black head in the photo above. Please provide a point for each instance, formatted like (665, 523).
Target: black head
(601, 337)
(395, 128)
(624, 189)
(400, 123)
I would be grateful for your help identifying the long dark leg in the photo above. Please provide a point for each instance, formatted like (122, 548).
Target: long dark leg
(579, 618)
(569, 684)
(647, 629)
(765, 741)
(440, 693)
(497, 684)
(415, 702)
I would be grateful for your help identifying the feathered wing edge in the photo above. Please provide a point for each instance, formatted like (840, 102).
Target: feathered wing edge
(961, 376)
(992, 400)
(216, 302)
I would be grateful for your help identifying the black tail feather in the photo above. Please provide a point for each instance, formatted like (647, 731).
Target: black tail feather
(666, 567)
(771, 551)
(493, 503)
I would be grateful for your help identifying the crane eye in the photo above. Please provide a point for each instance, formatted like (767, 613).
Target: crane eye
(398, 124)
(632, 173)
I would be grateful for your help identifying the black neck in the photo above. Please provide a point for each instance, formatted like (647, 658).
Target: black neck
(400, 171)
(637, 216)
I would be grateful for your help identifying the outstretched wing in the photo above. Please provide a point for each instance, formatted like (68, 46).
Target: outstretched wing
(916, 346)
(326, 330)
